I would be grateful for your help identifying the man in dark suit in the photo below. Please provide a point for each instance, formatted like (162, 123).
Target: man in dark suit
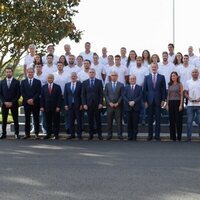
(154, 99)
(114, 95)
(51, 97)
(9, 95)
(31, 90)
(132, 104)
(92, 99)
(72, 99)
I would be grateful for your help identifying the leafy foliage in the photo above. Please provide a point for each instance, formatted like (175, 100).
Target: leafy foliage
(39, 22)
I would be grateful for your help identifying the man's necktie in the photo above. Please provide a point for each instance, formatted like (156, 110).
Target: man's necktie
(154, 80)
(30, 82)
(50, 88)
(92, 83)
(113, 87)
(8, 83)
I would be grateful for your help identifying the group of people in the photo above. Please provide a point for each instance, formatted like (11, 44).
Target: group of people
(132, 87)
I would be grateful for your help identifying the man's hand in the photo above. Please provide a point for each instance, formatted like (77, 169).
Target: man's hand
(100, 106)
(57, 109)
(8, 104)
(81, 107)
(131, 103)
(162, 104)
(30, 102)
(167, 107)
(42, 109)
(116, 105)
(111, 104)
(85, 107)
(66, 107)
(180, 108)
(145, 104)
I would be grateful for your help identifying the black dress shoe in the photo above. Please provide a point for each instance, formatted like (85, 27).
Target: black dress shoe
(47, 137)
(100, 137)
(26, 137)
(130, 138)
(17, 137)
(90, 137)
(149, 139)
(80, 137)
(120, 137)
(109, 138)
(158, 139)
(3, 137)
(71, 137)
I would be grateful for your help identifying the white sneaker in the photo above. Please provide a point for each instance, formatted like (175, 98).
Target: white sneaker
(32, 130)
(194, 123)
(44, 131)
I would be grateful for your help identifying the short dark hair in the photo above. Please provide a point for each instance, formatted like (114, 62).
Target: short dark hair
(87, 61)
(164, 52)
(59, 63)
(117, 56)
(87, 43)
(170, 44)
(50, 55)
(9, 68)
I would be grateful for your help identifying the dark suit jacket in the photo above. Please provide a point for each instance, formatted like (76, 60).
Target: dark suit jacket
(92, 96)
(135, 96)
(69, 95)
(50, 101)
(11, 94)
(158, 93)
(31, 92)
(114, 96)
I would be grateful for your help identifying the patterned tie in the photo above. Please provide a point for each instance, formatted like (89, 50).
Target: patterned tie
(154, 80)
(92, 83)
(113, 87)
(50, 88)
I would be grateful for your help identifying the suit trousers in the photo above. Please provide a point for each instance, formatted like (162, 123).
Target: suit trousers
(75, 114)
(175, 119)
(53, 122)
(154, 110)
(35, 110)
(14, 112)
(132, 123)
(94, 117)
(114, 113)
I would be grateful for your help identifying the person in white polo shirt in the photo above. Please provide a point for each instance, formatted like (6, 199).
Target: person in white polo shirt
(192, 93)
(83, 74)
(165, 68)
(131, 61)
(146, 57)
(87, 54)
(121, 70)
(99, 68)
(72, 67)
(192, 56)
(50, 50)
(49, 68)
(103, 60)
(109, 67)
(28, 60)
(171, 55)
(79, 61)
(185, 71)
(123, 56)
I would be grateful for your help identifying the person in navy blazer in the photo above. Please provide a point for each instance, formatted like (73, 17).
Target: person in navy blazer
(132, 104)
(72, 99)
(92, 99)
(31, 91)
(154, 99)
(51, 97)
(9, 95)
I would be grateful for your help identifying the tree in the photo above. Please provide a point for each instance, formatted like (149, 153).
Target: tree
(39, 22)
